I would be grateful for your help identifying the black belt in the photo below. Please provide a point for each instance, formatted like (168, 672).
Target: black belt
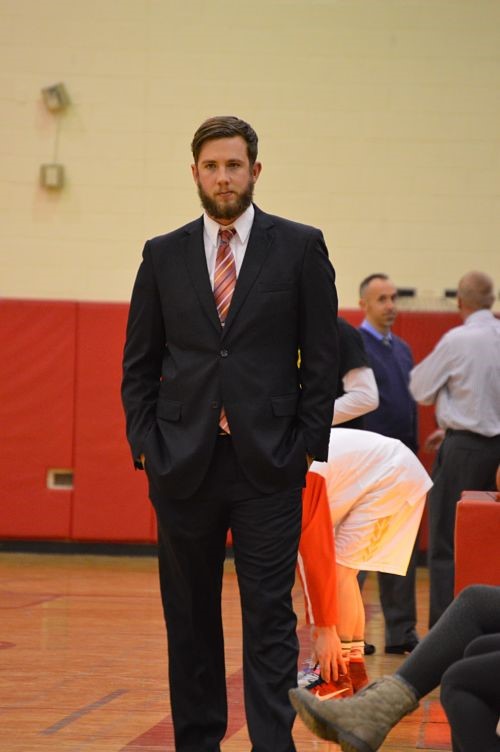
(460, 432)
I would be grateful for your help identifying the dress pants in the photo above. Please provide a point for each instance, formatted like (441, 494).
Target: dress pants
(470, 695)
(398, 600)
(191, 541)
(465, 462)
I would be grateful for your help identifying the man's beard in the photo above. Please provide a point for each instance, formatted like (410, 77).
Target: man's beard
(227, 210)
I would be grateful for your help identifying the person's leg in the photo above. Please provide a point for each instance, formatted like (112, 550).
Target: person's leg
(488, 643)
(398, 601)
(351, 624)
(351, 620)
(474, 612)
(191, 546)
(191, 566)
(266, 534)
(350, 629)
(359, 625)
(470, 695)
(442, 500)
(464, 461)
(362, 575)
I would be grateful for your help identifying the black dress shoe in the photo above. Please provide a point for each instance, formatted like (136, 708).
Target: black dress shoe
(403, 649)
(369, 648)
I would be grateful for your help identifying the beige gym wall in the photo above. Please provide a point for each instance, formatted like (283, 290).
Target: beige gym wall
(379, 121)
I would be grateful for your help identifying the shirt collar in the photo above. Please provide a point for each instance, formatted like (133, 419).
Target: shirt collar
(375, 332)
(485, 314)
(242, 225)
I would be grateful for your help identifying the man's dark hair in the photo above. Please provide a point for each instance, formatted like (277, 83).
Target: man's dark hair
(364, 284)
(225, 126)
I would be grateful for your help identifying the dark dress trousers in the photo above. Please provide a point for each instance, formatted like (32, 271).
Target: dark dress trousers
(274, 368)
(396, 416)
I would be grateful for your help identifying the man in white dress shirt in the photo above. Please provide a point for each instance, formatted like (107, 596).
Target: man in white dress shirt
(461, 376)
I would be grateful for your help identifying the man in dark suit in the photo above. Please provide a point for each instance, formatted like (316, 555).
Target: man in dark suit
(228, 398)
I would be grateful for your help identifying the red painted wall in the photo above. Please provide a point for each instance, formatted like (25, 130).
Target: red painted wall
(60, 408)
(37, 357)
(110, 498)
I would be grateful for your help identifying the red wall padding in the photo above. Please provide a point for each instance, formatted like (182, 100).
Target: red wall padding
(37, 355)
(353, 315)
(476, 539)
(110, 497)
(60, 408)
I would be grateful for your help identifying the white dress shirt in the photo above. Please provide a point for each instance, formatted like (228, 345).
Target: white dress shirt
(238, 243)
(361, 395)
(462, 376)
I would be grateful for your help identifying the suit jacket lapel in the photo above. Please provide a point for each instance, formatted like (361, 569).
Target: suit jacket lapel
(196, 263)
(259, 242)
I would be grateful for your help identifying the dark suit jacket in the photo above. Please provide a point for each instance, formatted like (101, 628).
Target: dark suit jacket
(180, 365)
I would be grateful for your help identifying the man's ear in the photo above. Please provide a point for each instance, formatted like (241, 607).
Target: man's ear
(256, 170)
(194, 172)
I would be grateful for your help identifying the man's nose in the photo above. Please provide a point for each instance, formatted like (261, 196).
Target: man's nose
(222, 175)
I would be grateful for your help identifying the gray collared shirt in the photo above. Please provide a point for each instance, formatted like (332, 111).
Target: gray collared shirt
(462, 376)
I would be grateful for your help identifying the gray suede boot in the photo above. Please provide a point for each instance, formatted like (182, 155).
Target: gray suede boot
(359, 723)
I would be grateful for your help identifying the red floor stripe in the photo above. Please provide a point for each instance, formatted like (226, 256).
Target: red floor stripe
(434, 730)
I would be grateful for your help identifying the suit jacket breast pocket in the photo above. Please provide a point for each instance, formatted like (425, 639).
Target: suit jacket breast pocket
(279, 285)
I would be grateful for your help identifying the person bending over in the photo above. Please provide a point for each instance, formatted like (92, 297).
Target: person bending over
(372, 490)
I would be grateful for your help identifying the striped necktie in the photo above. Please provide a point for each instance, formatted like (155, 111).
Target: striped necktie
(224, 284)
(225, 273)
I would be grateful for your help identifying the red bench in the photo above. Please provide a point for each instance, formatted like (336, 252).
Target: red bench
(477, 539)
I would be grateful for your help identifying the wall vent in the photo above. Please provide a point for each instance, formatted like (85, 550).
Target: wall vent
(60, 479)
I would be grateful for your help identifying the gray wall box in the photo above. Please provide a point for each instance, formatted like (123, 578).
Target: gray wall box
(52, 176)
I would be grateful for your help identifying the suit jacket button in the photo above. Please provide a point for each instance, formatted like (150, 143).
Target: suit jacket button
(224, 353)
(215, 405)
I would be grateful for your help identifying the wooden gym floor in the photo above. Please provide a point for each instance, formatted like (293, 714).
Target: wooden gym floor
(83, 659)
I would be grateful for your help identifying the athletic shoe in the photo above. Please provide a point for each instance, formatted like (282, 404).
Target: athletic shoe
(404, 649)
(359, 677)
(332, 690)
(309, 674)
